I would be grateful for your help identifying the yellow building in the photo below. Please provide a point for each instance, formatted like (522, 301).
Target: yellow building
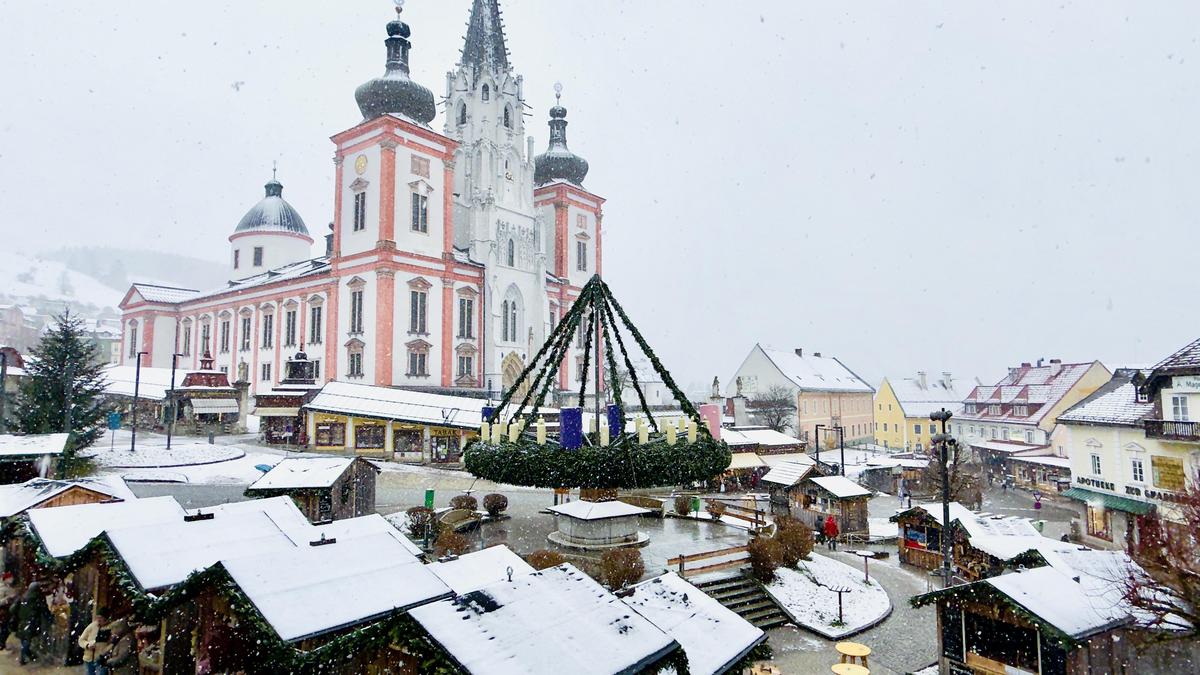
(902, 407)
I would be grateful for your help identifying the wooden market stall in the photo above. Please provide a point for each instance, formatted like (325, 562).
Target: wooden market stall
(839, 497)
(324, 488)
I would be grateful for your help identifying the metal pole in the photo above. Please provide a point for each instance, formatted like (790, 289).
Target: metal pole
(817, 443)
(943, 441)
(137, 380)
(171, 420)
(842, 440)
(3, 393)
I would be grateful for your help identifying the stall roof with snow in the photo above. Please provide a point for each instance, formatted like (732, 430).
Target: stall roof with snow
(557, 620)
(840, 487)
(67, 529)
(792, 457)
(309, 590)
(295, 473)
(32, 445)
(975, 524)
(400, 405)
(714, 637)
(745, 460)
(151, 383)
(585, 510)
(363, 526)
(473, 571)
(788, 474)
(33, 493)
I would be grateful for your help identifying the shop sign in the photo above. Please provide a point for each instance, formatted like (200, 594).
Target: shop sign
(1096, 483)
(1186, 383)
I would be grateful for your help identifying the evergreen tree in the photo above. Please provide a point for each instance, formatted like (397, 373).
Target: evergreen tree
(64, 362)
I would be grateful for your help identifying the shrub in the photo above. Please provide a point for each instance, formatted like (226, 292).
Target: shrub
(464, 502)
(418, 518)
(495, 504)
(795, 539)
(765, 554)
(683, 504)
(621, 567)
(450, 541)
(543, 559)
(716, 509)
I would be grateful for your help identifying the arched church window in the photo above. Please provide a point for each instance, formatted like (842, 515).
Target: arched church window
(511, 314)
(513, 319)
(507, 117)
(504, 321)
(487, 93)
(512, 253)
(462, 113)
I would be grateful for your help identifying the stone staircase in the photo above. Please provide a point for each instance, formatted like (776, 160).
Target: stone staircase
(746, 598)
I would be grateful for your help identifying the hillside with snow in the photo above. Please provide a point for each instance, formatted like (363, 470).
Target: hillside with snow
(35, 280)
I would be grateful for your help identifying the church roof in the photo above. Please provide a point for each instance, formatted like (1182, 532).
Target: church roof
(272, 214)
(484, 44)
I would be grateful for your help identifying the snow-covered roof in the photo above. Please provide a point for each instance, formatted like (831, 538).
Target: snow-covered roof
(918, 400)
(816, 373)
(473, 571)
(767, 438)
(399, 404)
(745, 460)
(167, 294)
(303, 472)
(66, 529)
(1076, 608)
(713, 636)
(1008, 447)
(978, 524)
(1009, 546)
(23, 496)
(152, 384)
(282, 510)
(1115, 403)
(585, 510)
(1060, 462)
(906, 462)
(1040, 386)
(788, 473)
(32, 444)
(174, 295)
(308, 590)
(362, 526)
(841, 487)
(554, 621)
(164, 554)
(788, 457)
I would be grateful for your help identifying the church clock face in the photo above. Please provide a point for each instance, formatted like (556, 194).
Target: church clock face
(360, 165)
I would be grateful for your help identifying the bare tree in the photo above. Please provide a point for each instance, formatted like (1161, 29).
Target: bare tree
(963, 477)
(1166, 584)
(774, 408)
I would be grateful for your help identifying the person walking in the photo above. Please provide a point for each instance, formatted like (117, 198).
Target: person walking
(122, 659)
(32, 619)
(8, 600)
(88, 641)
(831, 533)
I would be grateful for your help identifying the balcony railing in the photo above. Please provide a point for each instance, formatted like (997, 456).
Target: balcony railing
(1172, 430)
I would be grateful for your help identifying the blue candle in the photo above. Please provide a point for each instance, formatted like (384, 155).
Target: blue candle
(488, 412)
(570, 422)
(616, 420)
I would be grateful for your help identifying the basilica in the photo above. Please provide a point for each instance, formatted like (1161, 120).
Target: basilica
(449, 260)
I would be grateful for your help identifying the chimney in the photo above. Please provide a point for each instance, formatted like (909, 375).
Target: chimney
(1055, 366)
(817, 354)
(1039, 362)
(921, 379)
(329, 241)
(800, 353)
(1026, 365)
(947, 380)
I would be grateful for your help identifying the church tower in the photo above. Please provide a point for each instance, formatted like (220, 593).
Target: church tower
(494, 216)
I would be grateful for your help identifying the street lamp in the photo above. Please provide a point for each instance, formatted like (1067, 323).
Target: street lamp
(817, 440)
(171, 421)
(3, 392)
(137, 380)
(946, 444)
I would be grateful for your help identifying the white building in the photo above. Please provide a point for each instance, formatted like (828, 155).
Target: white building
(452, 255)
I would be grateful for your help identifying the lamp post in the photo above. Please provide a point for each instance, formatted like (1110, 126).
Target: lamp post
(841, 431)
(817, 440)
(3, 392)
(137, 380)
(945, 443)
(171, 394)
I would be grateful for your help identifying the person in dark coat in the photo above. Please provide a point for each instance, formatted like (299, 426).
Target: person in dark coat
(831, 533)
(8, 600)
(32, 619)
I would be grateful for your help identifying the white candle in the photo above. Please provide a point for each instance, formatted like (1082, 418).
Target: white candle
(604, 436)
(671, 434)
(514, 431)
(691, 431)
(682, 421)
(498, 432)
(541, 431)
(643, 432)
(485, 432)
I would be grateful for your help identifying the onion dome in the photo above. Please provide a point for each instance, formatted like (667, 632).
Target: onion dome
(558, 162)
(394, 92)
(272, 214)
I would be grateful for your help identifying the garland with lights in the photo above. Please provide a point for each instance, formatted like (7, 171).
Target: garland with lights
(508, 451)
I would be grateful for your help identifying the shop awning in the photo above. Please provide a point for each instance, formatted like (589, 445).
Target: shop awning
(745, 460)
(1109, 501)
(214, 406)
(277, 412)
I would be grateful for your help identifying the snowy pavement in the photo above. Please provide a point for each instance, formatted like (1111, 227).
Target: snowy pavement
(807, 594)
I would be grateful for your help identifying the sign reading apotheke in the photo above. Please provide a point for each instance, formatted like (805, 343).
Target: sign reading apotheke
(1186, 383)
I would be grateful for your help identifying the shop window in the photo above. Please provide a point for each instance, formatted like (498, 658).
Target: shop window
(331, 434)
(369, 436)
(1099, 522)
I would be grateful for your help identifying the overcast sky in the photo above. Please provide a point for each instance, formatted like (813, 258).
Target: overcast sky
(917, 185)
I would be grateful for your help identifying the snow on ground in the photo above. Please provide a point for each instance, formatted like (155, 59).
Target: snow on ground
(882, 528)
(183, 452)
(805, 594)
(931, 670)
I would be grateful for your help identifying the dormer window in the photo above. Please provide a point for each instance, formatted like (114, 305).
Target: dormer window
(487, 93)
(994, 409)
(1143, 396)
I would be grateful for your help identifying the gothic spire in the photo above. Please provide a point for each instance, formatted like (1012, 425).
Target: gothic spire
(484, 45)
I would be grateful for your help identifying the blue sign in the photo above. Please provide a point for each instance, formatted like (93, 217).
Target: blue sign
(114, 421)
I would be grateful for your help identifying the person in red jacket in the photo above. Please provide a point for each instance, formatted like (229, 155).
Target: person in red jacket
(831, 533)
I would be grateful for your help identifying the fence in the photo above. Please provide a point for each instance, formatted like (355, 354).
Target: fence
(683, 560)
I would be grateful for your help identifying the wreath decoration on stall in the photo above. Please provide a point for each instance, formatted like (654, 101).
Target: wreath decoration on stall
(514, 447)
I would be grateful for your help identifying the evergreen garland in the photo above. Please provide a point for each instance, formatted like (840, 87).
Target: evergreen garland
(64, 364)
